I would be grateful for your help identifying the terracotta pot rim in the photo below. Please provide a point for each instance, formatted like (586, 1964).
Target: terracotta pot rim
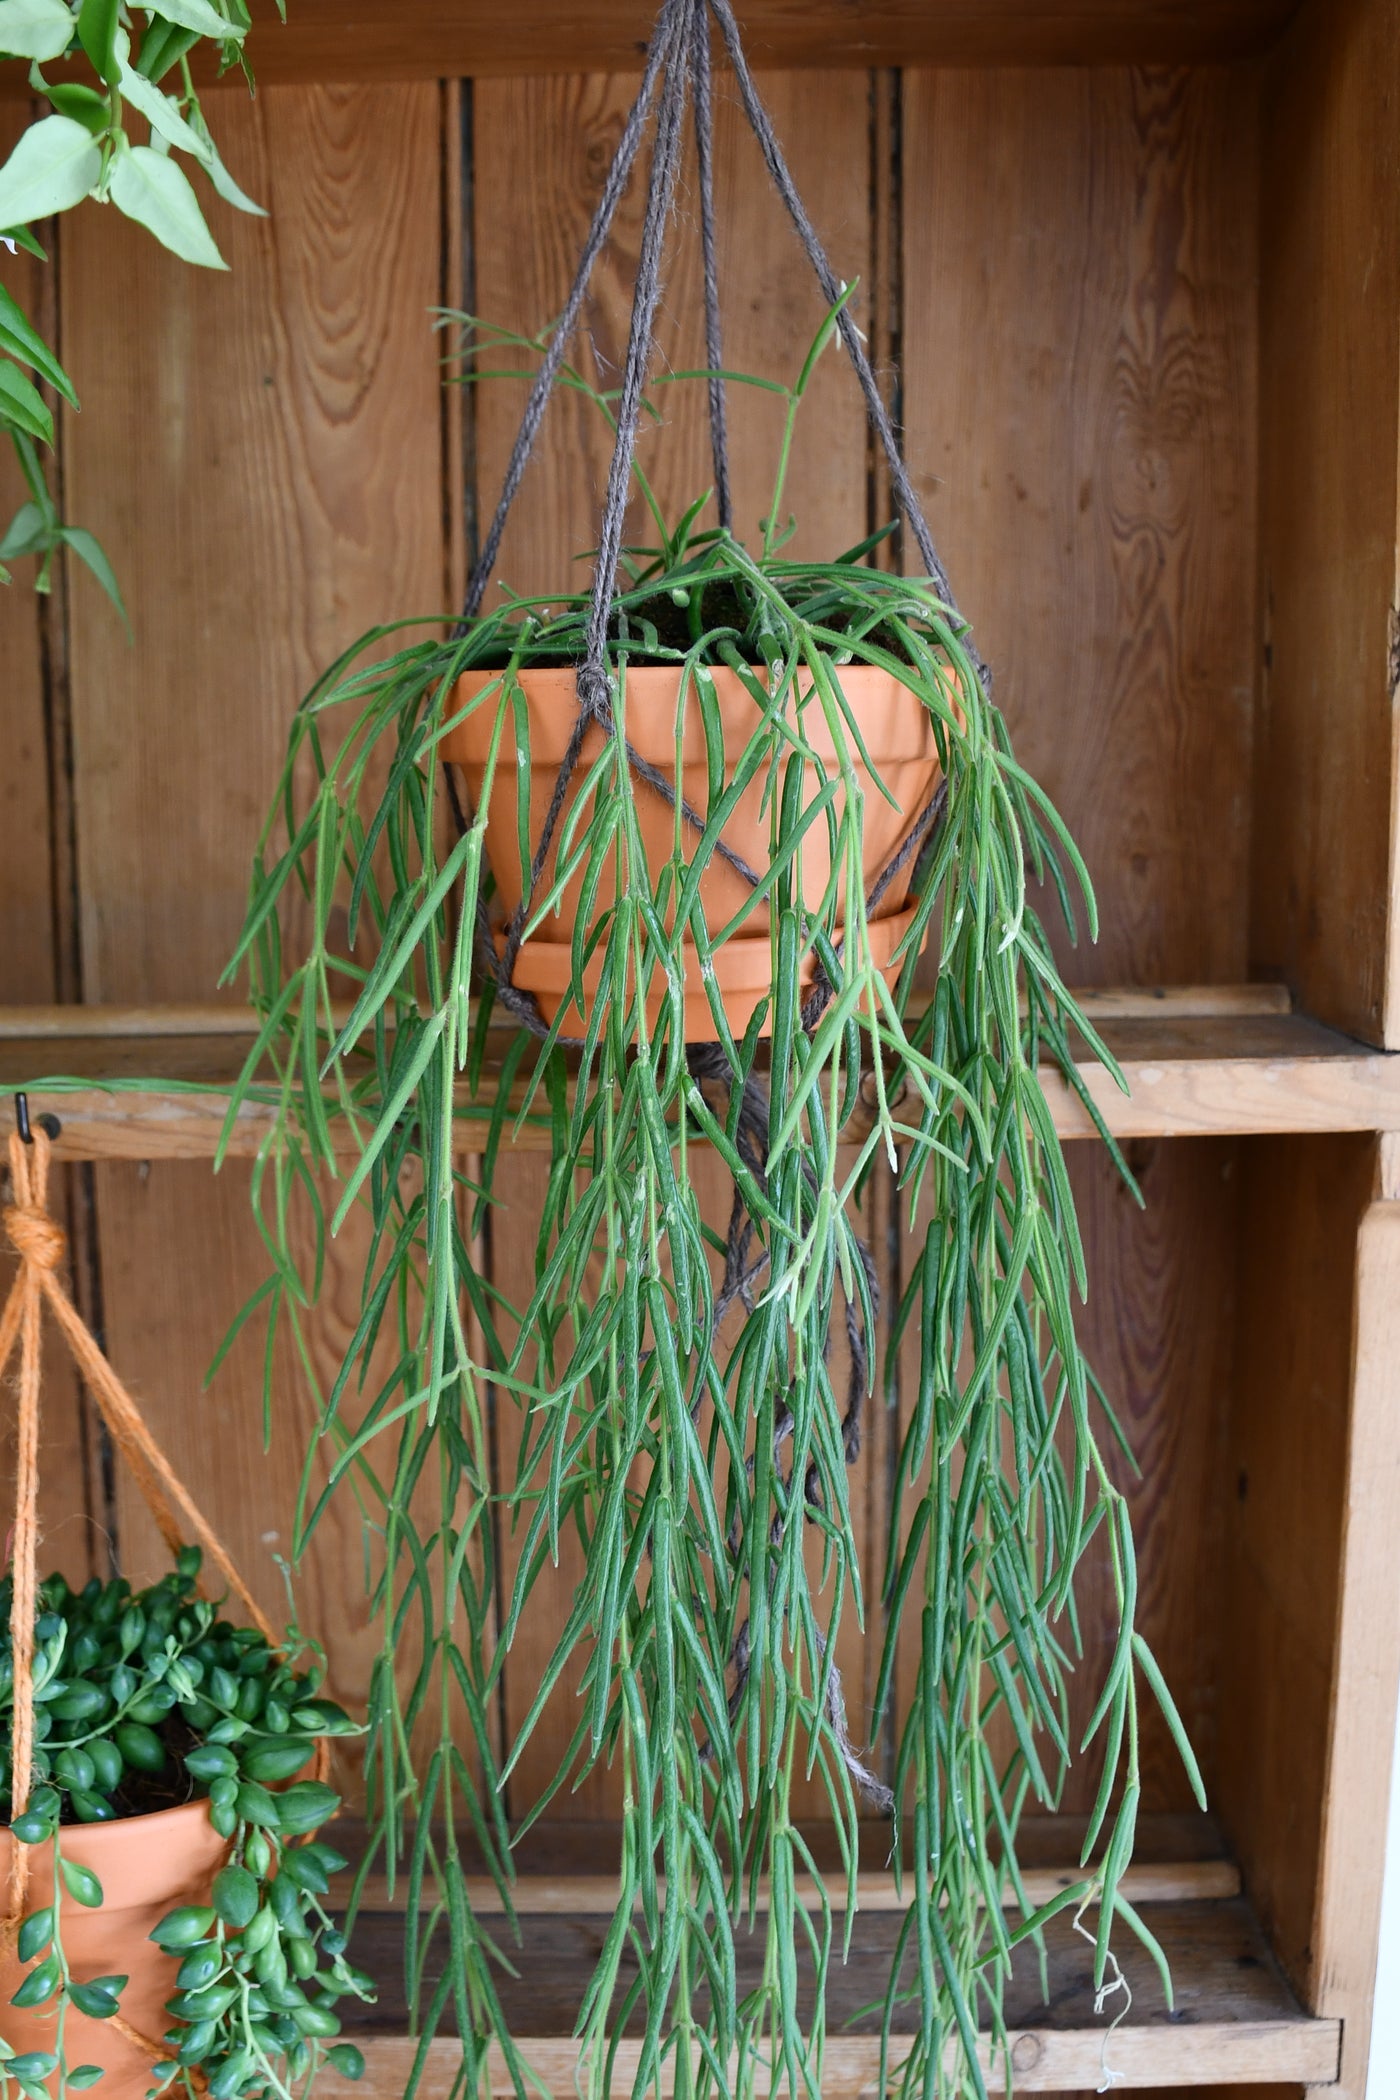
(895, 723)
(742, 964)
(196, 1811)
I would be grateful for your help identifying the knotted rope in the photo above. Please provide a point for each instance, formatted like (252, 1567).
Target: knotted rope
(41, 1245)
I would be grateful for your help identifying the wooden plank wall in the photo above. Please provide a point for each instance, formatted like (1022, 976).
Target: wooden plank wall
(1077, 355)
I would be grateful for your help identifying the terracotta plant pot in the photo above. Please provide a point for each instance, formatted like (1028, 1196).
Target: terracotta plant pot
(898, 733)
(148, 1866)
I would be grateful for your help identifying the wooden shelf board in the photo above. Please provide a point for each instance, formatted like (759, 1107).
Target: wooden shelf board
(1199, 1062)
(382, 40)
(1235, 2021)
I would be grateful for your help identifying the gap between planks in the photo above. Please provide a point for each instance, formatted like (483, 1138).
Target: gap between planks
(595, 1895)
(1209, 2052)
(37, 1023)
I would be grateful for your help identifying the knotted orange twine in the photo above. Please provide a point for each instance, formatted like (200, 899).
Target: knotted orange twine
(41, 1245)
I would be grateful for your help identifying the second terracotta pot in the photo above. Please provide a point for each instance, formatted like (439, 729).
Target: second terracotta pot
(148, 1866)
(897, 730)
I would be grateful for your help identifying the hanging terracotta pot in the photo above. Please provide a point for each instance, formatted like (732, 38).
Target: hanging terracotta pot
(148, 1866)
(897, 729)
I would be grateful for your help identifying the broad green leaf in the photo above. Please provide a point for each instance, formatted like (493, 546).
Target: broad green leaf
(24, 342)
(38, 29)
(159, 111)
(54, 166)
(73, 98)
(218, 174)
(98, 22)
(27, 533)
(87, 550)
(153, 190)
(22, 404)
(13, 237)
(199, 16)
(162, 45)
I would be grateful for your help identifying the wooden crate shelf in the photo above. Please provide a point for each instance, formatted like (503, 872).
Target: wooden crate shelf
(1132, 268)
(1209, 1061)
(1234, 2021)
(330, 40)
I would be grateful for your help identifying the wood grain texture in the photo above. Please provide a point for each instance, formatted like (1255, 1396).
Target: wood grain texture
(383, 40)
(1157, 1329)
(1302, 1202)
(267, 473)
(1216, 1075)
(1235, 2021)
(32, 926)
(1366, 1666)
(1079, 391)
(1328, 761)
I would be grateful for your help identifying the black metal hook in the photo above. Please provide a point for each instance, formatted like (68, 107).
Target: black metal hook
(49, 1124)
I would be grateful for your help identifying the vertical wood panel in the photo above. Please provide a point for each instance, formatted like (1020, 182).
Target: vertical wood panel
(1366, 1659)
(1324, 870)
(532, 212)
(267, 473)
(1079, 395)
(1302, 1201)
(1078, 363)
(29, 933)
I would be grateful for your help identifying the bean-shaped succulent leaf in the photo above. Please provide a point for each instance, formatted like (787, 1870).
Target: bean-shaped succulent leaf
(346, 2059)
(40, 1984)
(257, 1806)
(84, 2075)
(235, 1896)
(211, 1761)
(306, 1805)
(184, 1927)
(196, 2040)
(81, 1883)
(141, 1748)
(94, 1999)
(279, 1758)
(91, 1808)
(107, 1764)
(35, 1933)
(31, 1829)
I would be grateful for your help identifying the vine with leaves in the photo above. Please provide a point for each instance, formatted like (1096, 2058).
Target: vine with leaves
(140, 81)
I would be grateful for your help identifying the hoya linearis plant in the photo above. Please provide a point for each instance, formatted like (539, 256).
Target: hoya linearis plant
(679, 1410)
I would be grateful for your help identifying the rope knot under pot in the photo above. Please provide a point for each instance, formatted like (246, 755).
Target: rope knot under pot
(35, 1237)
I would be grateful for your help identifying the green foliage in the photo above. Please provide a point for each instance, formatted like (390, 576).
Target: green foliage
(680, 1413)
(83, 148)
(143, 1699)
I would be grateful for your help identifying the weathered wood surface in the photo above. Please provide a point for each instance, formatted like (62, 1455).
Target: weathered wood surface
(379, 40)
(1079, 390)
(1366, 1662)
(1235, 2020)
(265, 470)
(1327, 760)
(36, 933)
(1214, 1075)
(1286, 1472)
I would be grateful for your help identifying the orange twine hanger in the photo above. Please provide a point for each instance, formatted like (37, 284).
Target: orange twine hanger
(41, 1245)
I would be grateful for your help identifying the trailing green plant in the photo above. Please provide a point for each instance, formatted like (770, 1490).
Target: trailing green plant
(143, 1700)
(83, 147)
(680, 1408)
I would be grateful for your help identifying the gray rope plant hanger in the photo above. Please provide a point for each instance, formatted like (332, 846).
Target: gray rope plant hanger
(709, 815)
